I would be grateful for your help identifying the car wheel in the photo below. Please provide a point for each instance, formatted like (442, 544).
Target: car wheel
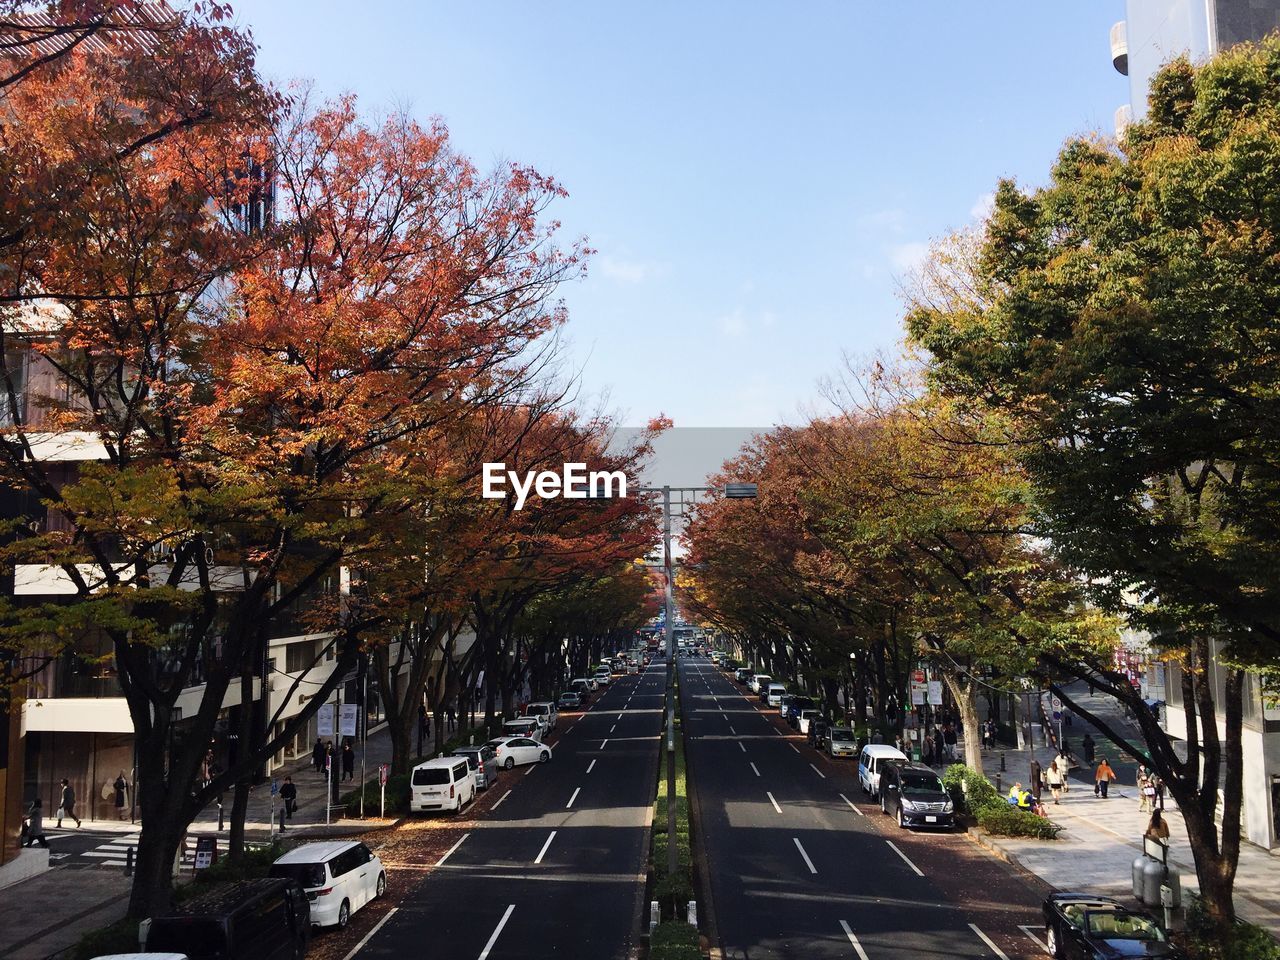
(344, 915)
(381, 888)
(902, 820)
(544, 757)
(883, 807)
(1051, 941)
(509, 763)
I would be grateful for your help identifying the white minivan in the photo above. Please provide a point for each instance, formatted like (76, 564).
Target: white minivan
(759, 681)
(871, 761)
(445, 783)
(776, 691)
(338, 876)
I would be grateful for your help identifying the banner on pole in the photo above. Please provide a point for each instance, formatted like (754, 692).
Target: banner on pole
(324, 720)
(347, 719)
(935, 692)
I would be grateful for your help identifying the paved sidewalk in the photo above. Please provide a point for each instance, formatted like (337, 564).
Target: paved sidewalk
(1101, 838)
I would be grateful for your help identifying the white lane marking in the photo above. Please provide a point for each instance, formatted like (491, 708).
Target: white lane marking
(862, 954)
(733, 731)
(1030, 932)
(809, 863)
(369, 936)
(602, 743)
(590, 765)
(742, 746)
(773, 801)
(619, 716)
(613, 728)
(851, 806)
(484, 954)
(532, 767)
(904, 858)
(794, 747)
(987, 940)
(578, 790)
(545, 847)
(500, 799)
(448, 853)
(817, 771)
(753, 767)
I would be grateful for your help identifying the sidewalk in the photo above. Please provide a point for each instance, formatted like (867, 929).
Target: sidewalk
(1101, 838)
(69, 902)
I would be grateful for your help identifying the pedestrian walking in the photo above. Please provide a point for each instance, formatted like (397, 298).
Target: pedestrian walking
(1144, 784)
(452, 714)
(67, 804)
(989, 734)
(928, 751)
(348, 762)
(33, 829)
(121, 787)
(1055, 775)
(1089, 748)
(1157, 829)
(289, 794)
(1102, 777)
(329, 759)
(317, 756)
(949, 740)
(1037, 780)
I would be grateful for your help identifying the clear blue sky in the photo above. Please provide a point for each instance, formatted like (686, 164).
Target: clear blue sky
(755, 175)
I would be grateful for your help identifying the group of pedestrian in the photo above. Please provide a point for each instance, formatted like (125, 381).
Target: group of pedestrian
(322, 759)
(939, 744)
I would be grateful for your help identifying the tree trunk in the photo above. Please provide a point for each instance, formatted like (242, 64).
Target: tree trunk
(239, 810)
(965, 696)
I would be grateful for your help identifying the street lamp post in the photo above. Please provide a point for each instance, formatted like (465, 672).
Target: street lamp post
(732, 491)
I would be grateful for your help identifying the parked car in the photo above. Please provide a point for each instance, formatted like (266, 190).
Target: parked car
(805, 719)
(582, 687)
(742, 674)
(338, 876)
(514, 751)
(268, 918)
(483, 762)
(774, 694)
(444, 783)
(871, 762)
(913, 795)
(817, 733)
(794, 707)
(529, 727)
(569, 700)
(759, 681)
(633, 667)
(544, 710)
(1078, 926)
(840, 742)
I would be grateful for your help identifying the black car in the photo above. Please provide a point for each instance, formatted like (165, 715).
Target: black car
(913, 794)
(268, 919)
(1078, 926)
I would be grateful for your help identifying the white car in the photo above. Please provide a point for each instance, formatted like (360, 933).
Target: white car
(759, 681)
(872, 760)
(603, 676)
(841, 742)
(444, 783)
(339, 877)
(545, 711)
(775, 693)
(516, 751)
(530, 727)
(805, 717)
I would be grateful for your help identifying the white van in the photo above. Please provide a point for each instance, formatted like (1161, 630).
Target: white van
(531, 727)
(758, 681)
(445, 783)
(871, 761)
(776, 691)
(339, 877)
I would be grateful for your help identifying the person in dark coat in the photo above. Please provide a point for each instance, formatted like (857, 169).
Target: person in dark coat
(289, 794)
(1036, 780)
(34, 826)
(1089, 748)
(67, 803)
(348, 762)
(317, 756)
(120, 786)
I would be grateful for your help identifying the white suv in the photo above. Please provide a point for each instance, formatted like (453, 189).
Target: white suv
(339, 877)
(543, 711)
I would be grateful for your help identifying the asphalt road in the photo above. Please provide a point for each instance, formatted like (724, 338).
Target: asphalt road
(801, 865)
(556, 867)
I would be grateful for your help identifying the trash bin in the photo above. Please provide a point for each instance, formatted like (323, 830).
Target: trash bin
(1173, 880)
(1139, 863)
(1152, 878)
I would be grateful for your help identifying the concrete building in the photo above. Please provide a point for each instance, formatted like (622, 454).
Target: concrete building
(1152, 33)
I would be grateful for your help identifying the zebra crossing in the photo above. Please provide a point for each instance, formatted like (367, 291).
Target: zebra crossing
(115, 853)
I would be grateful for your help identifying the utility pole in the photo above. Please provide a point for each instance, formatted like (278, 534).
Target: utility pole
(668, 598)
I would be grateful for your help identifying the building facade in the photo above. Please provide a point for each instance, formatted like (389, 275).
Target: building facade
(1152, 33)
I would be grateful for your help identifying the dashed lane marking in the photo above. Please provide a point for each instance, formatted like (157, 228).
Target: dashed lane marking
(493, 938)
(369, 936)
(851, 806)
(817, 771)
(742, 746)
(753, 767)
(1031, 932)
(862, 954)
(773, 801)
(794, 747)
(987, 940)
(576, 791)
(590, 765)
(809, 863)
(907, 861)
(448, 853)
(545, 847)
(500, 799)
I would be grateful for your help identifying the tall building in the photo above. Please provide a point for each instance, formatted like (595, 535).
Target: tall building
(1155, 31)
(1152, 33)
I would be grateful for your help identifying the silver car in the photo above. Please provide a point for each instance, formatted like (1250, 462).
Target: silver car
(483, 761)
(840, 742)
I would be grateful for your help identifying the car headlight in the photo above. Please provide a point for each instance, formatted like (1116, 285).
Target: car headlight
(909, 805)
(948, 807)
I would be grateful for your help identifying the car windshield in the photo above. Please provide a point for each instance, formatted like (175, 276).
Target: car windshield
(921, 783)
(1123, 926)
(537, 709)
(430, 776)
(841, 735)
(307, 874)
